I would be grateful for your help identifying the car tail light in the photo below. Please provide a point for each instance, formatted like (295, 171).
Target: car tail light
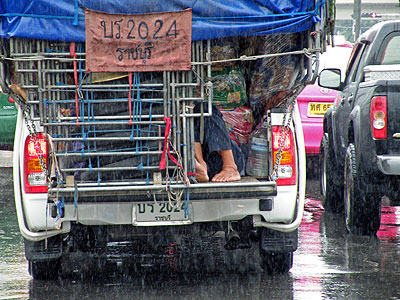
(287, 167)
(11, 100)
(378, 117)
(34, 177)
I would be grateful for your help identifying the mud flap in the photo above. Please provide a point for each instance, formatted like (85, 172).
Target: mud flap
(275, 241)
(44, 250)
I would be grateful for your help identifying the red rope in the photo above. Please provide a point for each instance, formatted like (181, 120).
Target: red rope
(166, 134)
(166, 147)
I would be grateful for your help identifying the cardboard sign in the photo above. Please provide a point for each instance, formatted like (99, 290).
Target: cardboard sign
(138, 43)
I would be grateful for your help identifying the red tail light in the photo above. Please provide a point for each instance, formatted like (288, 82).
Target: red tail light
(287, 167)
(11, 100)
(34, 177)
(378, 117)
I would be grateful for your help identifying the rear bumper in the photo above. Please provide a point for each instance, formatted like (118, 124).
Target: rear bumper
(282, 211)
(388, 164)
(200, 211)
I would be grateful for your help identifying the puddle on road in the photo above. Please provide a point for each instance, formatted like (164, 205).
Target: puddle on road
(330, 260)
(14, 277)
(390, 224)
(6, 159)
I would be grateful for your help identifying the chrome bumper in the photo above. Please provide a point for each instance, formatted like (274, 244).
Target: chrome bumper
(388, 165)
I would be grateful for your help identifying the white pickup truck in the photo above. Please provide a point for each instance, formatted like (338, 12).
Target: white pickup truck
(88, 144)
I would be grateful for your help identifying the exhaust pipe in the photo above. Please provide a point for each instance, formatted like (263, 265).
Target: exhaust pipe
(232, 240)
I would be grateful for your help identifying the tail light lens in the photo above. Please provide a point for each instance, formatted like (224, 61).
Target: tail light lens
(378, 117)
(11, 100)
(34, 177)
(287, 167)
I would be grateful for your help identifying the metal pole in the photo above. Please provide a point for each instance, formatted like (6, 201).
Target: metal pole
(356, 19)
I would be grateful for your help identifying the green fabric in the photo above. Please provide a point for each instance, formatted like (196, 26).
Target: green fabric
(8, 118)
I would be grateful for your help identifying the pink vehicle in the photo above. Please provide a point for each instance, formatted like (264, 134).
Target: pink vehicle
(314, 100)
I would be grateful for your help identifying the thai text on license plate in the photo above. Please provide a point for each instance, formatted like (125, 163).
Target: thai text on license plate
(160, 211)
(317, 109)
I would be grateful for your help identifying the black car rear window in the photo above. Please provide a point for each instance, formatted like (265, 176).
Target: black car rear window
(391, 55)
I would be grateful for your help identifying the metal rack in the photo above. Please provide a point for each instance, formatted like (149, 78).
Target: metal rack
(110, 131)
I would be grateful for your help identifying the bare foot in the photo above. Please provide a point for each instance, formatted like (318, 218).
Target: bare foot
(201, 171)
(228, 174)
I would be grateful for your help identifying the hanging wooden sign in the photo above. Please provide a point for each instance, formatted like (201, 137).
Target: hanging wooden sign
(139, 42)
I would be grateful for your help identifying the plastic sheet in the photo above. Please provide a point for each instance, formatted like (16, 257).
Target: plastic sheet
(271, 77)
(63, 20)
(239, 122)
(229, 87)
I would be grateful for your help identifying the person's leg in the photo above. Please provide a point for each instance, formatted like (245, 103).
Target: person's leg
(201, 165)
(217, 150)
(229, 170)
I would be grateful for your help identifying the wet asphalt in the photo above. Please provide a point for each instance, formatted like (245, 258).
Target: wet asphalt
(329, 264)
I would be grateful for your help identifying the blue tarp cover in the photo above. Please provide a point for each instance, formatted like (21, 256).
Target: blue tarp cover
(64, 19)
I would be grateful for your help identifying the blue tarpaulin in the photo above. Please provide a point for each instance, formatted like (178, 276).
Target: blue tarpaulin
(64, 19)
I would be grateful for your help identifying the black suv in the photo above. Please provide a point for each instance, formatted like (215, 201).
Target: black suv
(360, 149)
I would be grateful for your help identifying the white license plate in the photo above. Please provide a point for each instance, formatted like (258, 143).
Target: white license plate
(160, 212)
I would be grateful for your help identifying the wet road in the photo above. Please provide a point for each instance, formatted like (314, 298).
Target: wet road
(329, 264)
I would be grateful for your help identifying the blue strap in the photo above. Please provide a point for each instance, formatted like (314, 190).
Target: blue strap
(76, 195)
(187, 204)
(60, 207)
(76, 16)
(41, 16)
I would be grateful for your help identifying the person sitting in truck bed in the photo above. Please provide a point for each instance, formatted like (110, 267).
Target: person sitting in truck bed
(218, 158)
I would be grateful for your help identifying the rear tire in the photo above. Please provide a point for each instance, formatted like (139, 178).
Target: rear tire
(362, 209)
(276, 263)
(331, 179)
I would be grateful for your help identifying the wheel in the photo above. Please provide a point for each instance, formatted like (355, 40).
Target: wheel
(331, 178)
(44, 270)
(276, 263)
(362, 209)
(312, 165)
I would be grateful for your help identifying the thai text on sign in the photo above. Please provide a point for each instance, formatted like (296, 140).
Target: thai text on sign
(138, 42)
